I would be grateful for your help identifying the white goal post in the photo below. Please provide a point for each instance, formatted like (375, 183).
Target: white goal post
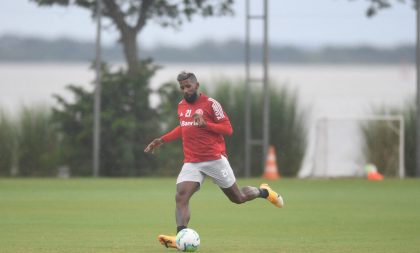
(336, 146)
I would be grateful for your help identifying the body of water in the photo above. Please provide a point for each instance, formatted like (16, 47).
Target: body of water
(325, 89)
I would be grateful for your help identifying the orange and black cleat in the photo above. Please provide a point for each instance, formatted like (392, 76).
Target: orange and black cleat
(273, 196)
(167, 241)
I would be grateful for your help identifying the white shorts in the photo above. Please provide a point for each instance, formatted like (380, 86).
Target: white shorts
(219, 170)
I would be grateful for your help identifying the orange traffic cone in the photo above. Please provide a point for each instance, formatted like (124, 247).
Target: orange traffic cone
(271, 170)
(372, 173)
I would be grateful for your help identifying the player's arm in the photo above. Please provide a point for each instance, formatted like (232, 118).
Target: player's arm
(223, 127)
(176, 133)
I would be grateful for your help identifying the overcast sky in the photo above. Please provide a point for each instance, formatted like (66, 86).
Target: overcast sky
(307, 23)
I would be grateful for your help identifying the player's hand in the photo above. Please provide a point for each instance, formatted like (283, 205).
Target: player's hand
(199, 120)
(154, 144)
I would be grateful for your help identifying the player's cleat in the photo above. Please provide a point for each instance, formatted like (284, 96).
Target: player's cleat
(273, 196)
(167, 241)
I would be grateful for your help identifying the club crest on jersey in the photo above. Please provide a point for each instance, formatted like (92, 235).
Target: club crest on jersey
(199, 112)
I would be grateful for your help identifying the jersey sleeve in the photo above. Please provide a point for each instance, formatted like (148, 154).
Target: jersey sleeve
(221, 123)
(223, 127)
(176, 133)
(218, 113)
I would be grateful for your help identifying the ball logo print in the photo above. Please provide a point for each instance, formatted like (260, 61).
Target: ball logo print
(187, 240)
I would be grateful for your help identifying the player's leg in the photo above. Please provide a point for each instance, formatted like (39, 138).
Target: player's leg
(184, 191)
(188, 182)
(248, 193)
(223, 176)
(242, 195)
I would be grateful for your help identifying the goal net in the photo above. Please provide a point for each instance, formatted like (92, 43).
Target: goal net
(344, 146)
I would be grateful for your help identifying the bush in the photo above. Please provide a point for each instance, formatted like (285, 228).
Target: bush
(381, 141)
(287, 127)
(8, 139)
(28, 144)
(381, 146)
(410, 138)
(170, 158)
(127, 125)
(37, 145)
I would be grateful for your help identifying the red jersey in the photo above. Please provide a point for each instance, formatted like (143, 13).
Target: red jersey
(201, 143)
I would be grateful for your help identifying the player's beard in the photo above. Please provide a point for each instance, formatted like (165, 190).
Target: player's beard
(191, 98)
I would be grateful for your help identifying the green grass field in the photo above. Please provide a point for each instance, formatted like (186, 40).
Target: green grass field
(126, 215)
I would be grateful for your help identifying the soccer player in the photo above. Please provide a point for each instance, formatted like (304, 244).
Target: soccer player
(202, 126)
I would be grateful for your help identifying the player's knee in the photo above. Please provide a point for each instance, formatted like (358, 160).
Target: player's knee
(181, 197)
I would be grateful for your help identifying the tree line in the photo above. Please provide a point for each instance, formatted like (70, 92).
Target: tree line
(22, 49)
